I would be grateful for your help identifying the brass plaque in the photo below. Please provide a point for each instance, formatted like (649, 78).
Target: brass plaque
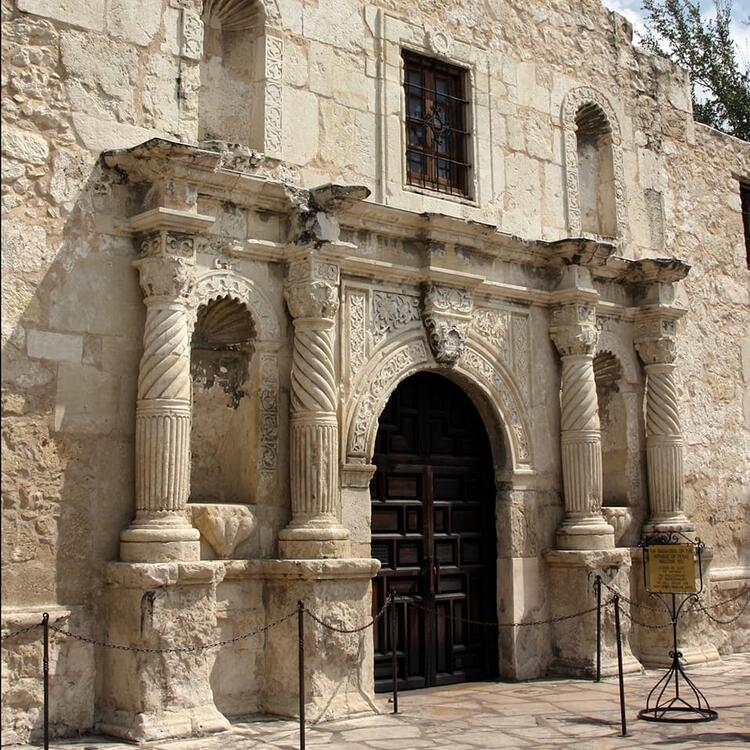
(671, 568)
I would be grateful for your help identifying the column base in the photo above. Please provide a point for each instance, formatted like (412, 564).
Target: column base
(315, 539)
(588, 531)
(160, 540)
(571, 583)
(665, 523)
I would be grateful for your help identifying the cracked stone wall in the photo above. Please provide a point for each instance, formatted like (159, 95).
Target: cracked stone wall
(82, 76)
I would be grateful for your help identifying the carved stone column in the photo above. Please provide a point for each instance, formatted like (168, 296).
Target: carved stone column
(314, 531)
(161, 530)
(656, 344)
(584, 528)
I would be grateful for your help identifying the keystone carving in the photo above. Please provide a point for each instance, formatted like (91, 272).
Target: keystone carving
(446, 313)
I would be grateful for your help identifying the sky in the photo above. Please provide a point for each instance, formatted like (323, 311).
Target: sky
(632, 10)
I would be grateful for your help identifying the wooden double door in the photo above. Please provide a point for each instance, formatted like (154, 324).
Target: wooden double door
(433, 530)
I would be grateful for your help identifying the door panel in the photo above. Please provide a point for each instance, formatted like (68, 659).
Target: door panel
(433, 530)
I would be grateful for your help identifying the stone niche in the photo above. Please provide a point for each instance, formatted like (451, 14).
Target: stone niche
(231, 71)
(224, 438)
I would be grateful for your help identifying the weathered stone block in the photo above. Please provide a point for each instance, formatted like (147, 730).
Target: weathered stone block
(24, 146)
(60, 347)
(87, 400)
(88, 14)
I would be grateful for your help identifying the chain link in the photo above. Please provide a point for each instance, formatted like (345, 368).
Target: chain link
(646, 624)
(176, 649)
(742, 592)
(698, 605)
(14, 633)
(624, 598)
(336, 629)
(483, 623)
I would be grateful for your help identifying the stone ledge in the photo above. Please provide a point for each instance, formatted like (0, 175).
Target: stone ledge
(13, 618)
(596, 558)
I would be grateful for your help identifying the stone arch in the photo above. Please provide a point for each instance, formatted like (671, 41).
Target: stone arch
(491, 388)
(223, 283)
(588, 99)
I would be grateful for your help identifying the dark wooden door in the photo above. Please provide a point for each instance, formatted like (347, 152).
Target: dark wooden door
(433, 530)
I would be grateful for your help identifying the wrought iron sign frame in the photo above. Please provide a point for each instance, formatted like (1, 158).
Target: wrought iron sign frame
(675, 709)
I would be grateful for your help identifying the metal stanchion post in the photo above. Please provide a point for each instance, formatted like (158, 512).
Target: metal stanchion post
(45, 677)
(618, 635)
(598, 628)
(394, 656)
(301, 667)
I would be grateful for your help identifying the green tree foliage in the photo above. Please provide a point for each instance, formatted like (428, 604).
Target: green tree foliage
(676, 29)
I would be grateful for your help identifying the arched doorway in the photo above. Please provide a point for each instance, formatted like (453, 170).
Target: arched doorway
(433, 530)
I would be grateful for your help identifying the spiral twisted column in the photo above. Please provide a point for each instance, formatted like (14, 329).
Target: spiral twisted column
(312, 295)
(160, 530)
(574, 333)
(656, 346)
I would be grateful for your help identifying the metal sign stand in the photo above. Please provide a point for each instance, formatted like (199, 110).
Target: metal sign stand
(670, 705)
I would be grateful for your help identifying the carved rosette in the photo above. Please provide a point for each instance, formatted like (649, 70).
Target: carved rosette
(656, 344)
(446, 313)
(161, 530)
(312, 295)
(574, 333)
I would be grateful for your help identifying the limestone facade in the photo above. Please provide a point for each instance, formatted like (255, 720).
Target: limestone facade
(215, 275)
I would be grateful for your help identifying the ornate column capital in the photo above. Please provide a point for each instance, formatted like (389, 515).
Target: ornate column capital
(656, 335)
(446, 314)
(166, 265)
(312, 288)
(573, 329)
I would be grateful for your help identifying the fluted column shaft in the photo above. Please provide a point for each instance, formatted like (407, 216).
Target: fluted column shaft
(161, 530)
(312, 298)
(656, 346)
(574, 332)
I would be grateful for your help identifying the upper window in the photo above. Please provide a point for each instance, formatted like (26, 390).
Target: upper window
(436, 135)
(745, 197)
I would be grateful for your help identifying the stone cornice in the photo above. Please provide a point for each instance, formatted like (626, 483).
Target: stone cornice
(346, 207)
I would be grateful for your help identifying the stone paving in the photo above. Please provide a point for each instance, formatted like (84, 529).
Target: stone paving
(541, 714)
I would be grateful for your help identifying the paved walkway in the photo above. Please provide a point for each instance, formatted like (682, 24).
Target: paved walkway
(484, 715)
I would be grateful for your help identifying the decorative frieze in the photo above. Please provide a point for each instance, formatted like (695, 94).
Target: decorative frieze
(391, 312)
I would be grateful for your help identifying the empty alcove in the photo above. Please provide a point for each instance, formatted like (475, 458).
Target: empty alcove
(223, 438)
(231, 95)
(613, 420)
(596, 174)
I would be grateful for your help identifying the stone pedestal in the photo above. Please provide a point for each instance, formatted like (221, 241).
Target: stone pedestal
(152, 696)
(571, 587)
(338, 667)
(695, 632)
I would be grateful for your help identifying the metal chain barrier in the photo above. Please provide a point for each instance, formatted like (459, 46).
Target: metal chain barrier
(698, 606)
(487, 624)
(14, 633)
(650, 626)
(176, 649)
(742, 592)
(337, 629)
(632, 603)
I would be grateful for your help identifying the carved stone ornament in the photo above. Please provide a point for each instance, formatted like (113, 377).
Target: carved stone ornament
(440, 42)
(166, 276)
(446, 312)
(655, 340)
(392, 311)
(312, 289)
(573, 329)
